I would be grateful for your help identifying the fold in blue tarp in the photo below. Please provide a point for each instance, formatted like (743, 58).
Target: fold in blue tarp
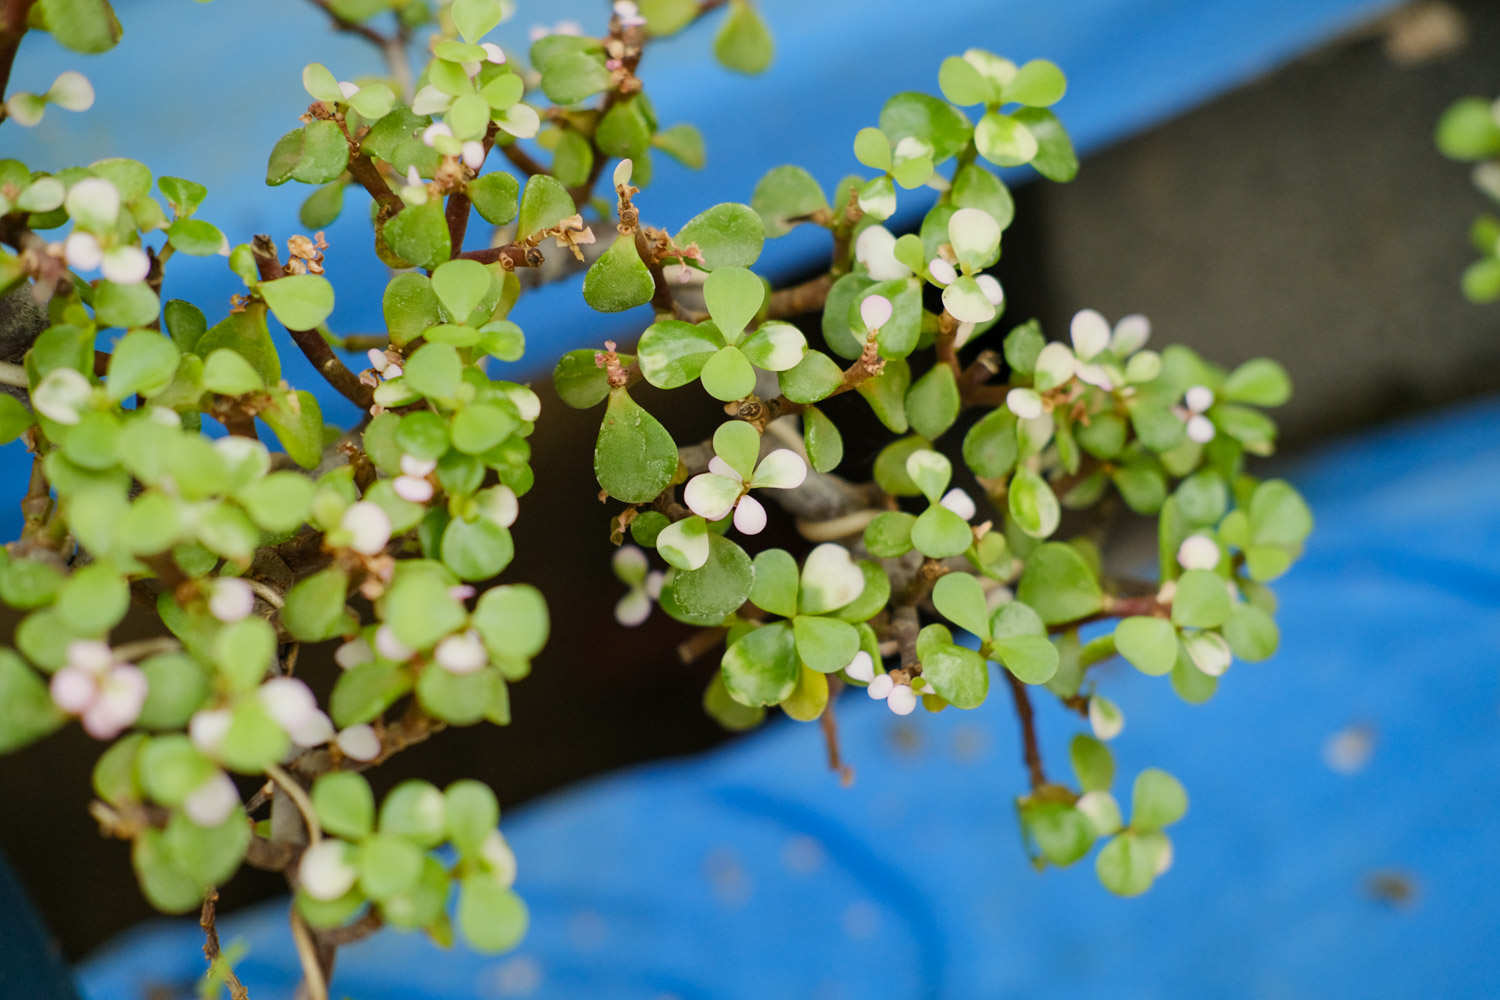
(749, 873)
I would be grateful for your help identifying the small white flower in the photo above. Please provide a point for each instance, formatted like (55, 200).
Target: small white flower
(876, 311)
(1089, 333)
(631, 568)
(874, 248)
(212, 802)
(861, 668)
(390, 647)
(411, 465)
(472, 153)
(1200, 429)
(990, 286)
(369, 526)
(325, 872)
(629, 14)
(413, 179)
(121, 693)
(713, 494)
(125, 265)
(942, 272)
(461, 591)
(412, 489)
(1198, 398)
(655, 580)
(90, 655)
(81, 251)
(881, 687)
(960, 503)
(1024, 403)
(61, 395)
(230, 599)
(432, 132)
(493, 53)
(462, 653)
(207, 728)
(73, 689)
(312, 730)
(1198, 552)
(289, 701)
(348, 89)
(359, 742)
(354, 653)
(902, 699)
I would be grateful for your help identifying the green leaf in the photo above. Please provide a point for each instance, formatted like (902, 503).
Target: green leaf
(959, 598)
(88, 26)
(494, 197)
(889, 534)
(1038, 83)
(761, 668)
(125, 305)
(574, 76)
(1481, 281)
(728, 234)
(824, 644)
(619, 279)
(963, 85)
(414, 809)
(387, 865)
(176, 686)
(253, 739)
(743, 43)
(1259, 382)
(1468, 130)
(298, 424)
(938, 533)
(775, 346)
(228, 373)
(707, 595)
(314, 608)
(728, 375)
(27, 712)
(143, 362)
(667, 17)
(1148, 644)
(683, 143)
(477, 549)
(785, 193)
(1158, 800)
(672, 353)
(1032, 658)
(873, 149)
(1033, 505)
(461, 285)
(512, 620)
(813, 378)
(581, 383)
(733, 296)
(1055, 158)
(299, 301)
(94, 599)
(825, 446)
(729, 713)
(1059, 584)
(1092, 762)
(932, 403)
(990, 445)
(491, 916)
(471, 812)
(435, 370)
(924, 117)
(166, 886)
(1126, 866)
(976, 187)
(344, 804)
(1201, 601)
(960, 675)
(634, 458)
(1004, 141)
(366, 691)
(421, 610)
(544, 203)
(1062, 834)
(418, 234)
(624, 131)
(476, 18)
(1252, 633)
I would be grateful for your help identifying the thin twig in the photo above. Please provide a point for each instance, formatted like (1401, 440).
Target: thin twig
(211, 950)
(298, 795)
(1029, 748)
(307, 953)
(12, 30)
(830, 726)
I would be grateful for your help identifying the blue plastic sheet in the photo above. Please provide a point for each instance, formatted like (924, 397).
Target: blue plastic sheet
(748, 873)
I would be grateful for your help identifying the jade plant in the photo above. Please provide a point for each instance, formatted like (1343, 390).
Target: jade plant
(175, 471)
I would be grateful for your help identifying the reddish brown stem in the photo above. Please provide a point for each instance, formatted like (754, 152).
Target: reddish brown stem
(1029, 748)
(12, 30)
(311, 342)
(830, 726)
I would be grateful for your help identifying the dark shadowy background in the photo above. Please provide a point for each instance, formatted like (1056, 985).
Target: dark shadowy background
(1304, 216)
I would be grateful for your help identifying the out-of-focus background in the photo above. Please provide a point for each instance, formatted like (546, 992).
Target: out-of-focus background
(1259, 179)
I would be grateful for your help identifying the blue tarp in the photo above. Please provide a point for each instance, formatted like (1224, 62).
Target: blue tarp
(748, 873)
